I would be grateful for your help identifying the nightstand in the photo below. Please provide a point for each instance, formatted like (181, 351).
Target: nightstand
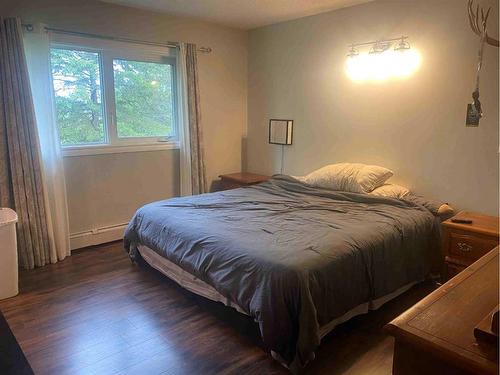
(463, 244)
(237, 180)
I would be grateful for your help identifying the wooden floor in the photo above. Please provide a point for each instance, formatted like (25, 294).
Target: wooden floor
(97, 313)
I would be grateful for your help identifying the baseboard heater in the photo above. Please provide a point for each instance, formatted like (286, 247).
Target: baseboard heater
(97, 236)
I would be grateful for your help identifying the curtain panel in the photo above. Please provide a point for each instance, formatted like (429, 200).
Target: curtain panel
(21, 186)
(37, 49)
(193, 175)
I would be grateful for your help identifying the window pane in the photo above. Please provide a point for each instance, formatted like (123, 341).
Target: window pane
(144, 99)
(78, 97)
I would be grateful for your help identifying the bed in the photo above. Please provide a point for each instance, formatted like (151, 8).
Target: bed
(297, 259)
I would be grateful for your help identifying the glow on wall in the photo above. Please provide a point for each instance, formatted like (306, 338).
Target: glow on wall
(383, 61)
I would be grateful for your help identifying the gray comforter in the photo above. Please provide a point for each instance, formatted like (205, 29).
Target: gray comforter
(292, 256)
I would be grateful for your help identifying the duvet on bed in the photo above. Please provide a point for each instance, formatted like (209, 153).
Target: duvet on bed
(292, 256)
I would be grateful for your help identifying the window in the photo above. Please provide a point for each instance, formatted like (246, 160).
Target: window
(108, 97)
(76, 75)
(143, 99)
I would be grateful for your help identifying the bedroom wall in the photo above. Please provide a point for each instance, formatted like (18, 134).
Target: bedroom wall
(413, 126)
(105, 190)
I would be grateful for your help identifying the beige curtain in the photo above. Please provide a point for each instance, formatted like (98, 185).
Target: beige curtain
(198, 174)
(37, 49)
(21, 185)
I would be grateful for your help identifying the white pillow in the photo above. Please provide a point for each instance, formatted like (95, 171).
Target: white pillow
(390, 191)
(354, 177)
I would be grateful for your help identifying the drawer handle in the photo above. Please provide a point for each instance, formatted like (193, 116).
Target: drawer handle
(466, 248)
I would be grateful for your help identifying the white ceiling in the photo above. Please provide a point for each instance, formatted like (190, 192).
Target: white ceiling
(243, 14)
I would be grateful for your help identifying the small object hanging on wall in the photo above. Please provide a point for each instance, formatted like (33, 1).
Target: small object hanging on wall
(474, 111)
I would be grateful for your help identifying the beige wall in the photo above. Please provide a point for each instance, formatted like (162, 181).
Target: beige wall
(415, 126)
(99, 190)
(105, 188)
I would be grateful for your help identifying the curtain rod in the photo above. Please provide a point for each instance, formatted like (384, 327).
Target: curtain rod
(29, 27)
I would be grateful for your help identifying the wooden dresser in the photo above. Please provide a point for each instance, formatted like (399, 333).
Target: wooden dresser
(237, 180)
(436, 336)
(463, 244)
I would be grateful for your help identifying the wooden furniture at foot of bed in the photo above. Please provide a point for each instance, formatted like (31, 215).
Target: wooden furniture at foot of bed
(436, 336)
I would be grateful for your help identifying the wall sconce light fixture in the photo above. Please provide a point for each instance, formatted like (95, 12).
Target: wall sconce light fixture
(387, 58)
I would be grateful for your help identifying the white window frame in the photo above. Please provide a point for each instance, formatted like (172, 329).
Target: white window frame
(109, 51)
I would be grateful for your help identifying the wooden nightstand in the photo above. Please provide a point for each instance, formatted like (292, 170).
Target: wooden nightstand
(463, 244)
(237, 180)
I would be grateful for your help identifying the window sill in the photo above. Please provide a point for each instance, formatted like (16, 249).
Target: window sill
(114, 149)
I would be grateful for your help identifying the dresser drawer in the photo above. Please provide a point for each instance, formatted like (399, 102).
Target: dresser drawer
(470, 247)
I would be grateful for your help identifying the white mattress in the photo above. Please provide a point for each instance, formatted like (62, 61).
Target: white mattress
(197, 286)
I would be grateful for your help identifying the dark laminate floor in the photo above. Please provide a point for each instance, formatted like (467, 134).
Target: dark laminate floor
(12, 359)
(96, 313)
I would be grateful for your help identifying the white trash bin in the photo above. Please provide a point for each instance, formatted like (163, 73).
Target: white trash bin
(8, 254)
